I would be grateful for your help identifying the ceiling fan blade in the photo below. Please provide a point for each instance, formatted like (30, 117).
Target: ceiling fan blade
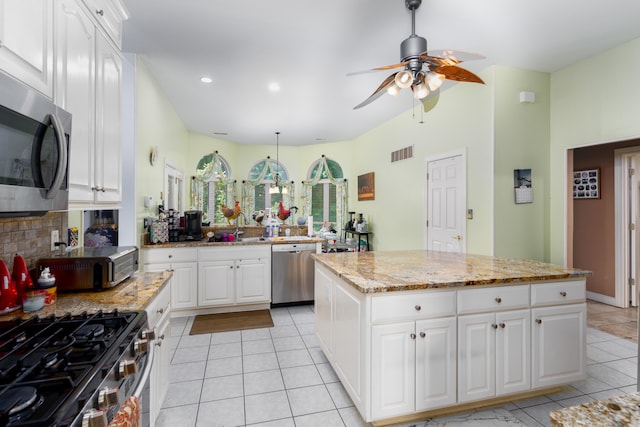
(378, 92)
(456, 55)
(373, 70)
(430, 101)
(459, 74)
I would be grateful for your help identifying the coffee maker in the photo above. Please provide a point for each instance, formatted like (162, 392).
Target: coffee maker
(193, 225)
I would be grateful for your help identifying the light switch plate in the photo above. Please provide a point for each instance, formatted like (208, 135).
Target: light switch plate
(55, 237)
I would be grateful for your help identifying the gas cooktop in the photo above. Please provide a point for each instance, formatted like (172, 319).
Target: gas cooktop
(51, 368)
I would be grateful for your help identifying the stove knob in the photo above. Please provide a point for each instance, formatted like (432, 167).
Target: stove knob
(94, 418)
(127, 367)
(140, 346)
(149, 334)
(107, 397)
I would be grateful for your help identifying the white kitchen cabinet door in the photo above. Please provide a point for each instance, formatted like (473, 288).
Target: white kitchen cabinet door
(161, 364)
(513, 352)
(476, 357)
(108, 162)
(184, 285)
(253, 280)
(558, 344)
(393, 373)
(323, 308)
(216, 283)
(26, 48)
(75, 92)
(435, 363)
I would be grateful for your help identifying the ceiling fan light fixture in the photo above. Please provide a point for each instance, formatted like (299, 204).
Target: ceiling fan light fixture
(434, 80)
(404, 79)
(393, 89)
(420, 91)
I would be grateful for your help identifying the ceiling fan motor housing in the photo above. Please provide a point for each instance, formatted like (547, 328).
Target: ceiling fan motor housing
(410, 50)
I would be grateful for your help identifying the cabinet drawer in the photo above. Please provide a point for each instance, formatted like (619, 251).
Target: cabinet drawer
(159, 305)
(493, 299)
(235, 253)
(570, 291)
(413, 305)
(151, 256)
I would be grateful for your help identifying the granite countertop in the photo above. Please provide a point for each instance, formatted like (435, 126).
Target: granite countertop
(386, 271)
(615, 411)
(243, 242)
(134, 293)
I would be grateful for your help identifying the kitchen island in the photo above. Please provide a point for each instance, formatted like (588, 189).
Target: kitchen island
(414, 333)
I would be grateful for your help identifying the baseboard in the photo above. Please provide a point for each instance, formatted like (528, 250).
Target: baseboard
(602, 298)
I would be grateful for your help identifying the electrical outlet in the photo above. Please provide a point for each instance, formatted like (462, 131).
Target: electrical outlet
(55, 237)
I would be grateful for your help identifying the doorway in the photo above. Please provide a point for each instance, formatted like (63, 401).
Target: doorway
(446, 203)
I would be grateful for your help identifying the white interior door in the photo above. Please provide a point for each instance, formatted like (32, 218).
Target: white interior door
(634, 223)
(446, 204)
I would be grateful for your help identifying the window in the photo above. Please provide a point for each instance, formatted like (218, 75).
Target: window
(262, 197)
(215, 186)
(324, 200)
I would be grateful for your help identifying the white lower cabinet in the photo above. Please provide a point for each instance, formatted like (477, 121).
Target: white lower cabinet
(159, 314)
(234, 276)
(184, 289)
(493, 354)
(413, 366)
(559, 343)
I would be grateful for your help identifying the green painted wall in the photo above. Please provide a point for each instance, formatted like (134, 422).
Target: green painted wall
(521, 142)
(593, 101)
(157, 124)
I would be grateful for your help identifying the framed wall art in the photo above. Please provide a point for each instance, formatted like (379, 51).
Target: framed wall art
(366, 186)
(522, 186)
(586, 184)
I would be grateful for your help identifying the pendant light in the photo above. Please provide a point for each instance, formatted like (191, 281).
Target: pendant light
(276, 186)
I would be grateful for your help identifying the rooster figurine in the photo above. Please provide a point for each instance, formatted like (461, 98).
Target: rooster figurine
(258, 217)
(230, 213)
(283, 213)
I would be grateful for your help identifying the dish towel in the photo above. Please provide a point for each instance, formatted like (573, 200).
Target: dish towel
(128, 415)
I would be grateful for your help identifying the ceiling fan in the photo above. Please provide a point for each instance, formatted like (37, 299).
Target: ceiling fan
(423, 72)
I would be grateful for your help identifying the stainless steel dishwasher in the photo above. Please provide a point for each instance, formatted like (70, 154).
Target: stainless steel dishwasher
(292, 273)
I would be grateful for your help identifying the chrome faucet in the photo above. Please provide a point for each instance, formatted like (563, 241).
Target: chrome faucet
(246, 222)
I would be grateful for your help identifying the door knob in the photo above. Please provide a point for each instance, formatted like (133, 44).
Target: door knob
(457, 237)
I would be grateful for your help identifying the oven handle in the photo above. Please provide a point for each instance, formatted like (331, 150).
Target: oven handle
(145, 375)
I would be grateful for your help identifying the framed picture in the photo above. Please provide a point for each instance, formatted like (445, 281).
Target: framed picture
(522, 186)
(586, 184)
(366, 186)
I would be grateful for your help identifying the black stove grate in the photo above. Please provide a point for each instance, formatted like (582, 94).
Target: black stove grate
(64, 359)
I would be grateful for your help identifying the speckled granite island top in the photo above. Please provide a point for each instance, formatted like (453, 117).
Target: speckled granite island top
(134, 293)
(616, 411)
(371, 272)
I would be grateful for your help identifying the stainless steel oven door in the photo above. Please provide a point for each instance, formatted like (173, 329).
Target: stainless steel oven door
(143, 390)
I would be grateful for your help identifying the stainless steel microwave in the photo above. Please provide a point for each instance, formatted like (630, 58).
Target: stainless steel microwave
(34, 142)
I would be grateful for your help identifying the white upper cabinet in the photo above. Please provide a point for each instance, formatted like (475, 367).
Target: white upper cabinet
(88, 84)
(26, 42)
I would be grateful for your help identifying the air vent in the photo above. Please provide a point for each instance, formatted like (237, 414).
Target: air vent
(402, 154)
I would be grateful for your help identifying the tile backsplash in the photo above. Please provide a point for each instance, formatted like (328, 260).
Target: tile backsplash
(30, 237)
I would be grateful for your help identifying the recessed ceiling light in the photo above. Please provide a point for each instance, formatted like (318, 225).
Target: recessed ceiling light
(206, 79)
(274, 87)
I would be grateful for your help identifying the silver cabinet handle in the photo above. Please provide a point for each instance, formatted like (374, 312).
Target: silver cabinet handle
(413, 336)
(100, 12)
(422, 335)
(498, 300)
(494, 326)
(418, 308)
(502, 325)
(563, 293)
(538, 321)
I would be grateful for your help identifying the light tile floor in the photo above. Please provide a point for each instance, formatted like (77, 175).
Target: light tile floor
(279, 377)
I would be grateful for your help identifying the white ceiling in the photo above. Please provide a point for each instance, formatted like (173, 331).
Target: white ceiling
(308, 47)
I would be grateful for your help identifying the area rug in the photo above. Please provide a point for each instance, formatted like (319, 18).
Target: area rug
(223, 322)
